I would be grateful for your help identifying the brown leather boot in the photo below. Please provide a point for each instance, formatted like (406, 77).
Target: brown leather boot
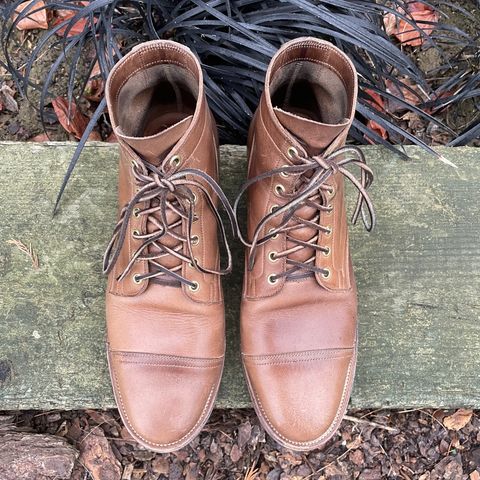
(299, 307)
(165, 312)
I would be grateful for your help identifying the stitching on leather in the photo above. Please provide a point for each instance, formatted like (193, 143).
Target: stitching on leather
(166, 357)
(316, 46)
(154, 444)
(151, 48)
(177, 365)
(296, 357)
(330, 428)
(300, 360)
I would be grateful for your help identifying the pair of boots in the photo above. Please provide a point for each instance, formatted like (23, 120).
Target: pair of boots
(165, 311)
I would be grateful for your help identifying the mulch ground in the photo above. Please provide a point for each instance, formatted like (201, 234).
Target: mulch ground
(370, 445)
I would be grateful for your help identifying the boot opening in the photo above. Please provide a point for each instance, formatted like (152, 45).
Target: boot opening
(157, 98)
(311, 91)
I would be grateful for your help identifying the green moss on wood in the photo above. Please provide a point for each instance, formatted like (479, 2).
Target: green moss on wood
(417, 275)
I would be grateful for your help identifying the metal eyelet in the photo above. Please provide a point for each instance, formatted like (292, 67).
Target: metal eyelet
(194, 287)
(175, 161)
(273, 236)
(272, 256)
(191, 264)
(279, 189)
(136, 212)
(328, 230)
(135, 233)
(326, 273)
(273, 208)
(330, 209)
(327, 251)
(331, 191)
(272, 279)
(195, 240)
(292, 152)
(134, 164)
(194, 198)
(284, 174)
(137, 279)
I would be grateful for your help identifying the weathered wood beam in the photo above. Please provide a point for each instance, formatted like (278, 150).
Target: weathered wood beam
(418, 277)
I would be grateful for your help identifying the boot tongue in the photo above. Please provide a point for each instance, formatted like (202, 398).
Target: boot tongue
(153, 148)
(314, 136)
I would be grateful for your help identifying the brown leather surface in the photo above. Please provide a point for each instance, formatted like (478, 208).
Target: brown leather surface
(299, 336)
(166, 342)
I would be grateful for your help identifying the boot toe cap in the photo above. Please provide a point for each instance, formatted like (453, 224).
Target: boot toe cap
(164, 400)
(301, 397)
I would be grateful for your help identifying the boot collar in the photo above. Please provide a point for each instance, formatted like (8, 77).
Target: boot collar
(182, 137)
(290, 130)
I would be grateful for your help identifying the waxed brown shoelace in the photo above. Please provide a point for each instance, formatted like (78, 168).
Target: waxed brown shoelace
(311, 190)
(164, 190)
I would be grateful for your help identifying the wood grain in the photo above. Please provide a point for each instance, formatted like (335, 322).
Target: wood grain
(418, 275)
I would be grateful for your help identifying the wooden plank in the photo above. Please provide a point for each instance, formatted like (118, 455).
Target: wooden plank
(418, 277)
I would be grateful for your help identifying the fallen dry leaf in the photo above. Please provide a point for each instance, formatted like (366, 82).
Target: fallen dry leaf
(74, 122)
(475, 475)
(421, 14)
(27, 251)
(35, 18)
(67, 14)
(458, 420)
(7, 100)
(377, 103)
(405, 93)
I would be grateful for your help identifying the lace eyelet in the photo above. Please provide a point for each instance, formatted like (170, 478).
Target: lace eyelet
(273, 236)
(137, 279)
(292, 152)
(194, 287)
(272, 256)
(328, 230)
(135, 233)
(192, 265)
(273, 208)
(279, 189)
(134, 164)
(330, 209)
(284, 174)
(136, 212)
(327, 251)
(195, 240)
(175, 161)
(331, 191)
(272, 279)
(326, 273)
(194, 198)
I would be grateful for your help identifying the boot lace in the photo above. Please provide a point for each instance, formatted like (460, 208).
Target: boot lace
(311, 189)
(170, 202)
